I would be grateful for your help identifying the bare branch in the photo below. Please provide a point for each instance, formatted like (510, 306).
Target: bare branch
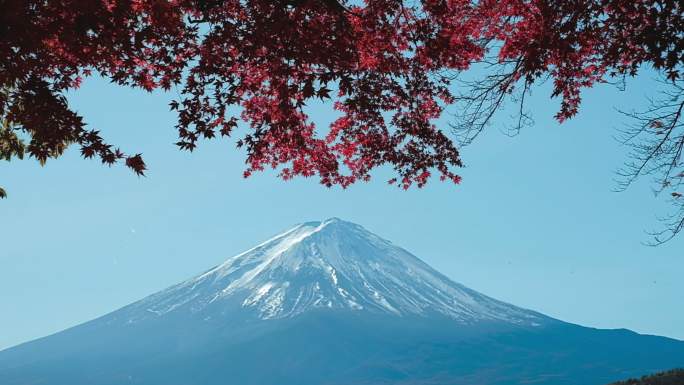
(656, 141)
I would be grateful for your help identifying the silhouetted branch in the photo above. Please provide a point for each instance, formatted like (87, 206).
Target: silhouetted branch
(656, 140)
(481, 99)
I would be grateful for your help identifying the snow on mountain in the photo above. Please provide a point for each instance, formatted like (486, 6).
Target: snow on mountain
(334, 265)
(329, 303)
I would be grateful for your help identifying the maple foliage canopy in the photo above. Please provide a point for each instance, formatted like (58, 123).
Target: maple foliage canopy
(388, 67)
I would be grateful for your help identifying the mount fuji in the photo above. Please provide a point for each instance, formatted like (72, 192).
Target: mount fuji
(331, 303)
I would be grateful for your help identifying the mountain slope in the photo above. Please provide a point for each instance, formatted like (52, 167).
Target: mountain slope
(331, 264)
(331, 303)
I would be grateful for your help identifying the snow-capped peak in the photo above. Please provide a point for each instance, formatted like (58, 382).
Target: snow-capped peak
(331, 264)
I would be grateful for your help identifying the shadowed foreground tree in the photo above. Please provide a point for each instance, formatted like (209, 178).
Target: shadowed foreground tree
(389, 68)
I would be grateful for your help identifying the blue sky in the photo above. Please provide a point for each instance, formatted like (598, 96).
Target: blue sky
(534, 223)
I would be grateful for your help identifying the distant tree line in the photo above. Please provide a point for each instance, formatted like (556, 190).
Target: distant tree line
(671, 377)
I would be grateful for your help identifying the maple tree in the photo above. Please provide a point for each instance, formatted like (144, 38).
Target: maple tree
(388, 67)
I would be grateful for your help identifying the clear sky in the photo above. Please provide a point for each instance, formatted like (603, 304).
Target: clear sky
(534, 223)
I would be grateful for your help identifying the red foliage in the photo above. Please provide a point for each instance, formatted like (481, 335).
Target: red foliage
(385, 64)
